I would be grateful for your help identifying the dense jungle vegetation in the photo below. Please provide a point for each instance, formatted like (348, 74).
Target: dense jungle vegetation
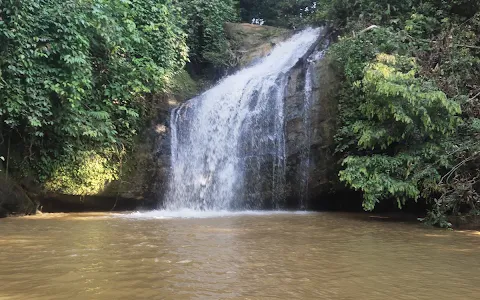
(409, 106)
(78, 79)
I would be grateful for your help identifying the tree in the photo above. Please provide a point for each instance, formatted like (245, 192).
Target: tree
(401, 134)
(74, 75)
(402, 120)
(207, 42)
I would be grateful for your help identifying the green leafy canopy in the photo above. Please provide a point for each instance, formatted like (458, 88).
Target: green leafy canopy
(409, 101)
(74, 74)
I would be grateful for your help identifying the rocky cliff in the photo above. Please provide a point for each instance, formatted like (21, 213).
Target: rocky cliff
(310, 123)
(310, 130)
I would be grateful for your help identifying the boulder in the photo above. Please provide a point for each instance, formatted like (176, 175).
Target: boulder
(14, 200)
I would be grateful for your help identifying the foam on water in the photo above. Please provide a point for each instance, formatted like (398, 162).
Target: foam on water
(196, 214)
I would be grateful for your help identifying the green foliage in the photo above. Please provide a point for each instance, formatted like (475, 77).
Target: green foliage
(347, 15)
(77, 78)
(407, 82)
(85, 174)
(204, 25)
(183, 86)
(406, 107)
(398, 119)
(74, 75)
(381, 177)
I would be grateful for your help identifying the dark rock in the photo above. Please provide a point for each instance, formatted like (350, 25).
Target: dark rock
(311, 164)
(14, 199)
(308, 181)
(3, 213)
(55, 203)
(313, 141)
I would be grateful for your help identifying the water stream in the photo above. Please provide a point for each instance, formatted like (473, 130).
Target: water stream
(228, 144)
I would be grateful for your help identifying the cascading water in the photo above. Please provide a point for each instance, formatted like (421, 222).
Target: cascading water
(307, 124)
(305, 155)
(228, 144)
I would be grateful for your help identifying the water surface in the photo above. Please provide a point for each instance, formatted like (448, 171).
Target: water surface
(240, 256)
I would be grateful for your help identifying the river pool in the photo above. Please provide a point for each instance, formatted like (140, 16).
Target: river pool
(234, 256)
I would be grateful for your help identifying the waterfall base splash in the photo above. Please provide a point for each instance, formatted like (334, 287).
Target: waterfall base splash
(195, 214)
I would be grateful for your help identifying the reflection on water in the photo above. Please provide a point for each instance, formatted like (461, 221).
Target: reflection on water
(269, 256)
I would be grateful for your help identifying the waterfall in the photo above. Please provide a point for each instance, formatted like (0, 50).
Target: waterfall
(228, 144)
(307, 125)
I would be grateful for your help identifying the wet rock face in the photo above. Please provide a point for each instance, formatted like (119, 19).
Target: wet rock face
(147, 179)
(310, 131)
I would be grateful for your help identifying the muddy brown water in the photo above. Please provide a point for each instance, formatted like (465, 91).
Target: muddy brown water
(265, 256)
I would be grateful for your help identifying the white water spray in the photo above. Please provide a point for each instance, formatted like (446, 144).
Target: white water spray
(228, 144)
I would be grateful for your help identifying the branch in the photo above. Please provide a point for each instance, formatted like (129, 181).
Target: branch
(467, 46)
(474, 97)
(369, 28)
(455, 168)
(366, 29)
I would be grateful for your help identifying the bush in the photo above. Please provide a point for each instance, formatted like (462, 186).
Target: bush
(204, 25)
(409, 104)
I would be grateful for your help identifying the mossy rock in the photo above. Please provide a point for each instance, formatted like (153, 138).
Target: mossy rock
(251, 42)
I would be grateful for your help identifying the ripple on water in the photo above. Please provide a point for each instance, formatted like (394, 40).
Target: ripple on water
(239, 255)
